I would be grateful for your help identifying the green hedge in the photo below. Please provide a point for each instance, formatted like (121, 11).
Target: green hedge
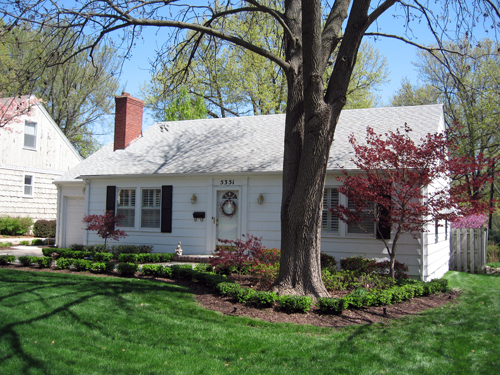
(15, 226)
(44, 228)
(295, 304)
(6, 259)
(127, 269)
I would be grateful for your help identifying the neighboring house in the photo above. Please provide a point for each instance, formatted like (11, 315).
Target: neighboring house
(198, 181)
(33, 152)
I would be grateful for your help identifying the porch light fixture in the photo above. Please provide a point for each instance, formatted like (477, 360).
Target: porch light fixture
(194, 198)
(260, 199)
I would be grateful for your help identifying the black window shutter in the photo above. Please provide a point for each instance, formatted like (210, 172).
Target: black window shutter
(384, 224)
(110, 198)
(166, 209)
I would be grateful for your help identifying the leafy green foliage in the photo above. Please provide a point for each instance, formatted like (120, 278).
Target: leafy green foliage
(44, 228)
(82, 264)
(131, 258)
(295, 304)
(328, 262)
(6, 259)
(329, 305)
(64, 263)
(24, 243)
(262, 298)
(44, 262)
(15, 226)
(25, 260)
(127, 269)
(37, 242)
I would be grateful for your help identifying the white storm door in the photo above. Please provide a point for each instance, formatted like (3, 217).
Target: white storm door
(228, 215)
(74, 229)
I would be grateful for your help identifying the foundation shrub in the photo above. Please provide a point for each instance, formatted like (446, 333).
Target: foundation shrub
(44, 228)
(127, 258)
(24, 243)
(361, 265)
(150, 269)
(116, 250)
(102, 257)
(357, 298)
(228, 289)
(25, 260)
(37, 242)
(147, 258)
(64, 263)
(6, 259)
(244, 295)
(265, 273)
(44, 262)
(82, 264)
(263, 298)
(210, 279)
(15, 226)
(328, 262)
(77, 247)
(184, 271)
(295, 304)
(332, 305)
(203, 267)
(165, 257)
(98, 267)
(127, 269)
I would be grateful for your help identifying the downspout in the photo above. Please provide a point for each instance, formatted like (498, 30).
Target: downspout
(59, 216)
(87, 200)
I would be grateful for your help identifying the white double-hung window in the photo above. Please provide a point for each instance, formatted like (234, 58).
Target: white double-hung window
(30, 135)
(125, 208)
(28, 186)
(151, 208)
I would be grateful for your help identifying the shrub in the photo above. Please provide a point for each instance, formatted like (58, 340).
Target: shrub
(228, 289)
(266, 273)
(102, 257)
(6, 259)
(150, 269)
(44, 228)
(37, 242)
(184, 271)
(25, 260)
(127, 269)
(82, 264)
(328, 262)
(24, 243)
(263, 298)
(127, 258)
(238, 255)
(5, 244)
(15, 226)
(332, 305)
(295, 304)
(493, 254)
(44, 262)
(110, 266)
(98, 267)
(147, 258)
(267, 256)
(116, 250)
(210, 279)
(333, 281)
(77, 247)
(203, 267)
(64, 263)
(165, 257)
(357, 264)
(244, 295)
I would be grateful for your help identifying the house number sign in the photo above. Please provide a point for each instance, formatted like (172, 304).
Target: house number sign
(226, 182)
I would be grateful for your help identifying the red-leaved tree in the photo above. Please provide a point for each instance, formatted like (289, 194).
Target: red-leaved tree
(104, 225)
(403, 185)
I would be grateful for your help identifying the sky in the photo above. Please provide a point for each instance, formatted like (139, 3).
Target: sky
(398, 54)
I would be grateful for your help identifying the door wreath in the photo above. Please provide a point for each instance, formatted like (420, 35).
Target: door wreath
(228, 207)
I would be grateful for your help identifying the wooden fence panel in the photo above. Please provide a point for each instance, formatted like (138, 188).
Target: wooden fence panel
(468, 250)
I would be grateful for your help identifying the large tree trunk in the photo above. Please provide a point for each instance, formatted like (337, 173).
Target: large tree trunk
(311, 119)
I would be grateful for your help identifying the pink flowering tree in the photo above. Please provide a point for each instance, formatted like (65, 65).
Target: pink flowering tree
(11, 109)
(395, 187)
(471, 221)
(105, 226)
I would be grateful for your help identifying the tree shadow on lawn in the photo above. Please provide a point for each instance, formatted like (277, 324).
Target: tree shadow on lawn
(36, 289)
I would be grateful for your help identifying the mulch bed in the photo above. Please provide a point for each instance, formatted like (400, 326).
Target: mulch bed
(210, 299)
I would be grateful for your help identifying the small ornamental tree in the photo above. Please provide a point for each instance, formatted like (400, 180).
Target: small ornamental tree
(104, 225)
(11, 109)
(404, 185)
(471, 221)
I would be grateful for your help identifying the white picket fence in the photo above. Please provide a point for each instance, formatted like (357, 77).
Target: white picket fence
(468, 250)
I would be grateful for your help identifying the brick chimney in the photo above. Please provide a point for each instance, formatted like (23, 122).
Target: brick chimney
(128, 120)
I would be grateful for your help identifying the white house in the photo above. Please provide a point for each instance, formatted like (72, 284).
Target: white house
(198, 181)
(33, 152)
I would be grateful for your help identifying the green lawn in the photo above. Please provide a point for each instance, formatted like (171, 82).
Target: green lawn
(66, 324)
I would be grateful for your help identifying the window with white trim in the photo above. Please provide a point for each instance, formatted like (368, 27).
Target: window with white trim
(366, 226)
(28, 186)
(125, 207)
(329, 221)
(30, 129)
(151, 208)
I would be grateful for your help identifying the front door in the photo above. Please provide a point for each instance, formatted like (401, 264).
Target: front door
(228, 214)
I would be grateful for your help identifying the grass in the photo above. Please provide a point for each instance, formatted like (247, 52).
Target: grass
(5, 244)
(61, 324)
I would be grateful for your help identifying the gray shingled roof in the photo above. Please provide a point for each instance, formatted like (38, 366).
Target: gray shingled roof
(242, 144)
